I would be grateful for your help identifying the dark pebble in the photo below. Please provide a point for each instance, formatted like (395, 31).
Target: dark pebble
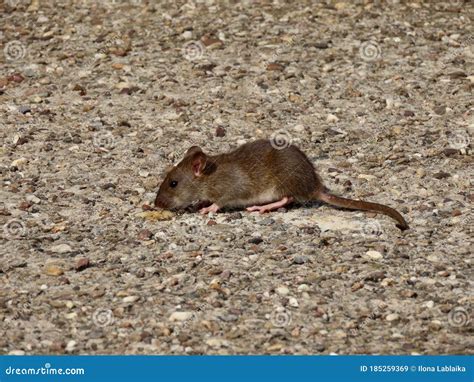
(319, 348)
(23, 109)
(220, 132)
(82, 264)
(106, 186)
(255, 240)
(449, 152)
(16, 77)
(441, 175)
(235, 215)
(321, 45)
(311, 230)
(409, 113)
(375, 276)
(24, 205)
(145, 234)
(266, 221)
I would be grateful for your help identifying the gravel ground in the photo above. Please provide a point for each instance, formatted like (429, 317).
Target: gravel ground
(98, 99)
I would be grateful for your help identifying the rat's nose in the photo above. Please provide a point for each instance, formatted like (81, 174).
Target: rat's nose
(159, 203)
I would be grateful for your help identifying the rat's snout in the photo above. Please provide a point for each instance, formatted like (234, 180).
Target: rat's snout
(160, 203)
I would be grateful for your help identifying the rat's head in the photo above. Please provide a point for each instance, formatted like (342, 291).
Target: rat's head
(183, 185)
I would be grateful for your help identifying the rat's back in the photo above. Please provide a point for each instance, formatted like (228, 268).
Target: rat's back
(285, 169)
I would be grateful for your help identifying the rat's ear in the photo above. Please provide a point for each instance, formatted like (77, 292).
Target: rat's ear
(199, 163)
(192, 150)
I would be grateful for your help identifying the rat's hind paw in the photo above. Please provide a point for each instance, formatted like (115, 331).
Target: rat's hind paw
(271, 206)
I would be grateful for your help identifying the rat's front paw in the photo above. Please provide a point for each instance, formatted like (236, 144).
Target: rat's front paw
(212, 208)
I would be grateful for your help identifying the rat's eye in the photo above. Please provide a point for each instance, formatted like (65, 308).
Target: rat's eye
(173, 183)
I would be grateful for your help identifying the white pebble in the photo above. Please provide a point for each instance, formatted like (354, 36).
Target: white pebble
(16, 352)
(187, 35)
(429, 304)
(180, 316)
(61, 248)
(282, 290)
(130, 298)
(303, 288)
(374, 255)
(71, 345)
(19, 162)
(392, 317)
(332, 118)
(299, 128)
(293, 302)
(33, 198)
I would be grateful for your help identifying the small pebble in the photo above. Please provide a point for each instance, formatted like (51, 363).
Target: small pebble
(71, 346)
(53, 270)
(255, 240)
(300, 259)
(293, 302)
(235, 216)
(429, 304)
(144, 234)
(187, 35)
(331, 118)
(130, 299)
(282, 290)
(82, 264)
(220, 132)
(392, 317)
(303, 288)
(61, 248)
(24, 109)
(16, 352)
(19, 162)
(180, 316)
(374, 255)
(33, 199)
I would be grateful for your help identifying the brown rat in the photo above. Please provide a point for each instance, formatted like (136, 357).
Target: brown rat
(258, 175)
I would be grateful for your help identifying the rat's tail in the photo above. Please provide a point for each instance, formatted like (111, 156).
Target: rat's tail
(337, 201)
